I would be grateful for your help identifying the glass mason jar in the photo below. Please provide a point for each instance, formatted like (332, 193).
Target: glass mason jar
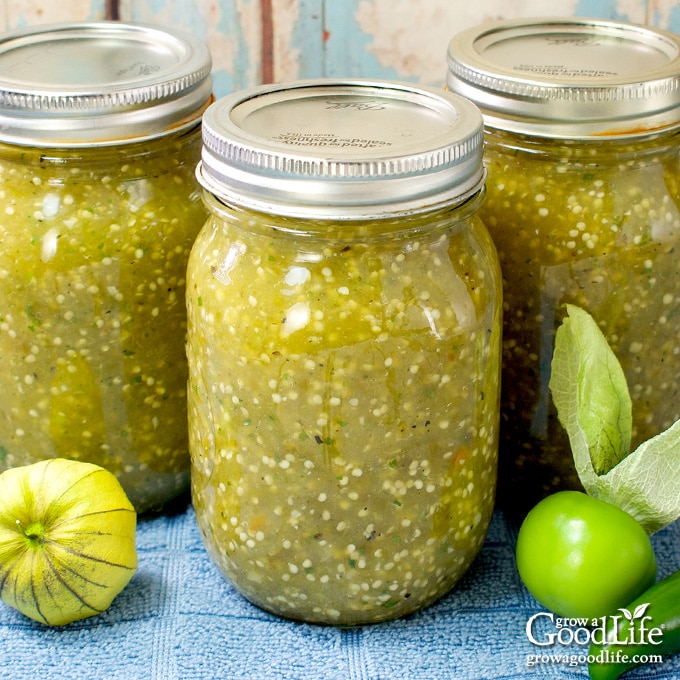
(582, 135)
(99, 141)
(344, 348)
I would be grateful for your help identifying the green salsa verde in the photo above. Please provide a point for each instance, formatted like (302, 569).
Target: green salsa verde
(92, 316)
(343, 404)
(596, 224)
(99, 207)
(582, 120)
(344, 320)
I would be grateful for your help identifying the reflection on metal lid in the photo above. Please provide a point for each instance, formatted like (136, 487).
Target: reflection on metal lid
(569, 78)
(342, 149)
(100, 82)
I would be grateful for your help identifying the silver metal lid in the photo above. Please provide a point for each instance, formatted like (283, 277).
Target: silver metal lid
(99, 83)
(569, 78)
(342, 149)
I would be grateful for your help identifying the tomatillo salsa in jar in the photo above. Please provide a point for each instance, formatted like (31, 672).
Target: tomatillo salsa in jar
(583, 196)
(344, 348)
(99, 141)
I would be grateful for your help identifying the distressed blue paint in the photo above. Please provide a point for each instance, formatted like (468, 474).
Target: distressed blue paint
(245, 72)
(674, 20)
(602, 9)
(20, 22)
(184, 15)
(180, 14)
(17, 21)
(225, 82)
(347, 53)
(308, 38)
(153, 6)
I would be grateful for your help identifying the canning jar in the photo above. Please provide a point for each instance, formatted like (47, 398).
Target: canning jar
(99, 141)
(344, 348)
(582, 135)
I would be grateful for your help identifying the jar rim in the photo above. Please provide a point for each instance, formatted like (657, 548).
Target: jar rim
(342, 149)
(106, 82)
(569, 77)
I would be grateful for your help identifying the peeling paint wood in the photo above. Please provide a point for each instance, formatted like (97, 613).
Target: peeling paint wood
(308, 42)
(231, 28)
(19, 13)
(254, 41)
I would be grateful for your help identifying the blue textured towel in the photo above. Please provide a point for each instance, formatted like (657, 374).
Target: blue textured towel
(179, 620)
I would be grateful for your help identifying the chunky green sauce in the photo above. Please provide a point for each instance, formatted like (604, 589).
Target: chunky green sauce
(596, 224)
(92, 316)
(343, 410)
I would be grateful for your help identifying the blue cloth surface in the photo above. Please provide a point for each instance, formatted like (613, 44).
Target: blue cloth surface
(179, 620)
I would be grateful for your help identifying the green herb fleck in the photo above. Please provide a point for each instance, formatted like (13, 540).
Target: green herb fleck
(391, 603)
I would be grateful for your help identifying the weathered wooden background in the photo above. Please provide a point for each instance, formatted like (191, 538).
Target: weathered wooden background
(254, 41)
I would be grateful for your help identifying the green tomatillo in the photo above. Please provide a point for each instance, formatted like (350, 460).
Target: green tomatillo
(582, 557)
(67, 540)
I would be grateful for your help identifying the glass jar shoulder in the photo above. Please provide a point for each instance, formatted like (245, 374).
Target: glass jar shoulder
(96, 203)
(634, 150)
(444, 281)
(583, 199)
(151, 158)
